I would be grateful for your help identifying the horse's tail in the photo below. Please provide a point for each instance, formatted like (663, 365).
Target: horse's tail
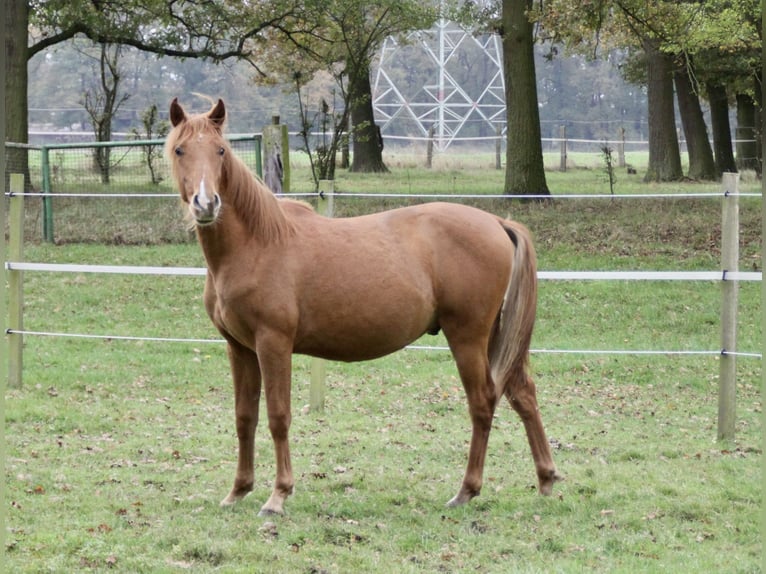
(512, 336)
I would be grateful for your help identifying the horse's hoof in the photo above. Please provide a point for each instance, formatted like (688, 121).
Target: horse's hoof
(461, 498)
(546, 486)
(267, 512)
(233, 498)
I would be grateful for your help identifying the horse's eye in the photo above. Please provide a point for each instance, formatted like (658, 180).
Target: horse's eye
(221, 151)
(179, 151)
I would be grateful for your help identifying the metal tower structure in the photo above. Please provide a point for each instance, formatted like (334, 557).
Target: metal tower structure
(443, 79)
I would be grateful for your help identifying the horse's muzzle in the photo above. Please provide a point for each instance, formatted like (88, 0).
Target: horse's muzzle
(205, 211)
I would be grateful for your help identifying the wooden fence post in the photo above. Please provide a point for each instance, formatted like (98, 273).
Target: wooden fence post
(621, 149)
(430, 148)
(563, 145)
(498, 147)
(276, 156)
(15, 280)
(727, 382)
(325, 206)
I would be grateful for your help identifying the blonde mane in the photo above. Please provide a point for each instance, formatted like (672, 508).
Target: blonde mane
(254, 203)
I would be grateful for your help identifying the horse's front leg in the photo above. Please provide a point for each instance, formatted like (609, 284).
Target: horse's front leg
(276, 363)
(247, 393)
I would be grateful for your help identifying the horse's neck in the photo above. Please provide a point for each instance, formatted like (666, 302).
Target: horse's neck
(226, 238)
(250, 220)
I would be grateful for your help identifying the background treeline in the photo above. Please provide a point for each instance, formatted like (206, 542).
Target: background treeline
(590, 97)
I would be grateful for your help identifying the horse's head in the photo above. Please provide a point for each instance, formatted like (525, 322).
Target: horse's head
(196, 150)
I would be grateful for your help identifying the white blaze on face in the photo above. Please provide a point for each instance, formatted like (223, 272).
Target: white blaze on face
(203, 198)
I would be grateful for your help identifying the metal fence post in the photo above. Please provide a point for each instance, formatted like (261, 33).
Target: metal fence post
(45, 166)
(727, 383)
(15, 280)
(257, 140)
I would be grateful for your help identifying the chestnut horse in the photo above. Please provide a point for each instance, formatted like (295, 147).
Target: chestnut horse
(282, 279)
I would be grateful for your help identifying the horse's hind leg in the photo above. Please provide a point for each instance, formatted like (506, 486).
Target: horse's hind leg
(247, 392)
(520, 392)
(473, 367)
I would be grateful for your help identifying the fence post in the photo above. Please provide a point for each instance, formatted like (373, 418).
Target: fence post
(621, 149)
(15, 280)
(727, 381)
(45, 166)
(498, 147)
(563, 145)
(325, 206)
(276, 156)
(257, 140)
(345, 157)
(430, 148)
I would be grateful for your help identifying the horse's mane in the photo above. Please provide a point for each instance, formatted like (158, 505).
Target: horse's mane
(255, 204)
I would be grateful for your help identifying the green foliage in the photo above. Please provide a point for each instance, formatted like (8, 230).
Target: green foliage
(215, 30)
(154, 128)
(609, 168)
(725, 31)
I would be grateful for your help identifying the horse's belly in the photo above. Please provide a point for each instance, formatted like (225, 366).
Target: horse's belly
(360, 348)
(365, 334)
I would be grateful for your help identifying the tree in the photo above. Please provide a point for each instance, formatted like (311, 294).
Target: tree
(16, 108)
(650, 24)
(700, 31)
(725, 43)
(524, 171)
(210, 30)
(152, 128)
(323, 157)
(102, 102)
(664, 154)
(701, 161)
(719, 119)
(344, 40)
(638, 27)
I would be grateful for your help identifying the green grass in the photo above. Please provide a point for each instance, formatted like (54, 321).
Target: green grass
(128, 221)
(118, 452)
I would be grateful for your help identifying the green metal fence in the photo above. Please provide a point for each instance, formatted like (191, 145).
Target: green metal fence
(106, 192)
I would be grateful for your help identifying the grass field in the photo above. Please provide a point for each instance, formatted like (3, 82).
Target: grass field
(118, 452)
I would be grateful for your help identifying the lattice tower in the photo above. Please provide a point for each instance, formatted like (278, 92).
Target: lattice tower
(410, 98)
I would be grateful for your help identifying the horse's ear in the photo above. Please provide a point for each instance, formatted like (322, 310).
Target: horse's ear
(177, 114)
(218, 114)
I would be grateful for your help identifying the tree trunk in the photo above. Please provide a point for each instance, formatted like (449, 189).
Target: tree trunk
(701, 161)
(664, 155)
(524, 170)
(719, 119)
(757, 81)
(368, 143)
(747, 150)
(16, 108)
